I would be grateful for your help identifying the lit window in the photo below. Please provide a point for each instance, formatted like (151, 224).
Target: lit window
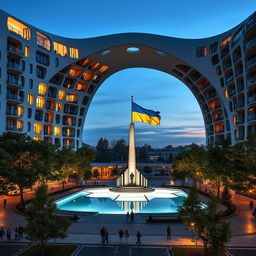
(225, 41)
(81, 86)
(30, 99)
(68, 132)
(226, 94)
(27, 51)
(58, 106)
(37, 138)
(87, 75)
(47, 129)
(43, 40)
(61, 94)
(20, 110)
(201, 51)
(73, 52)
(69, 120)
(234, 119)
(104, 69)
(57, 131)
(83, 62)
(75, 71)
(40, 102)
(71, 97)
(60, 48)
(19, 124)
(18, 28)
(42, 89)
(37, 128)
(95, 65)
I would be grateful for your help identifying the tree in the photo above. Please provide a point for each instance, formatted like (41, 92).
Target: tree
(87, 174)
(28, 160)
(120, 149)
(208, 223)
(225, 195)
(42, 223)
(102, 145)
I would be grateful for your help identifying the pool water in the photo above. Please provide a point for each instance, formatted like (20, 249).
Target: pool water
(104, 201)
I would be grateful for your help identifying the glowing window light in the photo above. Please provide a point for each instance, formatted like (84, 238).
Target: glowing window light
(95, 65)
(43, 41)
(104, 69)
(40, 101)
(57, 130)
(61, 94)
(30, 99)
(71, 97)
(20, 124)
(87, 75)
(37, 138)
(75, 71)
(73, 52)
(226, 94)
(18, 28)
(58, 106)
(37, 128)
(27, 51)
(81, 86)
(225, 40)
(42, 89)
(20, 110)
(60, 48)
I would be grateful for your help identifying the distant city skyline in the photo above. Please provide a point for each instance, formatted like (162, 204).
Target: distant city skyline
(109, 113)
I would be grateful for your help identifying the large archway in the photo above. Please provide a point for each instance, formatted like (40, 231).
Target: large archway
(220, 71)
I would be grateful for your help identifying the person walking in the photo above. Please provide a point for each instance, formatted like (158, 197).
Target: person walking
(106, 236)
(251, 204)
(169, 233)
(132, 217)
(5, 202)
(2, 232)
(138, 235)
(8, 234)
(127, 217)
(126, 233)
(121, 234)
(102, 234)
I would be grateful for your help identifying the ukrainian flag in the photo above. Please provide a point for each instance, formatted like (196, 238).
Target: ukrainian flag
(145, 115)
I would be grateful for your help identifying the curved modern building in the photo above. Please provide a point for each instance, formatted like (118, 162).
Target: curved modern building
(48, 82)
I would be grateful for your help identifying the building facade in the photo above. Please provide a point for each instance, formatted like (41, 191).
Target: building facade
(48, 82)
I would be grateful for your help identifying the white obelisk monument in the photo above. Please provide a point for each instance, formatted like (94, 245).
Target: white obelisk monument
(132, 177)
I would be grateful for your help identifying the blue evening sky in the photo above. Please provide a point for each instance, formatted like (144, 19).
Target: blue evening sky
(109, 113)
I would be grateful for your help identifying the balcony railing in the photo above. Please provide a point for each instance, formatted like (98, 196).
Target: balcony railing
(238, 122)
(250, 62)
(11, 112)
(250, 43)
(14, 65)
(14, 49)
(250, 23)
(13, 128)
(12, 80)
(229, 79)
(231, 92)
(238, 106)
(15, 97)
(239, 71)
(251, 81)
(252, 99)
(251, 117)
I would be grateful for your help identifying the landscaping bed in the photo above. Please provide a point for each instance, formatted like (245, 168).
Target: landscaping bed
(51, 250)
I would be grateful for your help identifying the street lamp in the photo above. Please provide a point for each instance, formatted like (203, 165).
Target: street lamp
(193, 231)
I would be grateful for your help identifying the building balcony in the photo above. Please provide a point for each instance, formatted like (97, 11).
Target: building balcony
(219, 118)
(239, 72)
(16, 83)
(14, 67)
(249, 44)
(238, 106)
(250, 62)
(238, 122)
(14, 98)
(13, 128)
(251, 117)
(14, 51)
(231, 92)
(252, 99)
(229, 79)
(250, 23)
(238, 138)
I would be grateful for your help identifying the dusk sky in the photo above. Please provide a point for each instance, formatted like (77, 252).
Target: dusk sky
(109, 113)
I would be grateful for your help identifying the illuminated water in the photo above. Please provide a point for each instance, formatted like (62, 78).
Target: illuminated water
(102, 200)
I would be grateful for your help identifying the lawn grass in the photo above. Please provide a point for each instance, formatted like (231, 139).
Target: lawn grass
(51, 250)
(186, 251)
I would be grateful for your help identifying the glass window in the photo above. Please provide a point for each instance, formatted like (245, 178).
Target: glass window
(27, 51)
(61, 94)
(40, 101)
(225, 40)
(37, 128)
(43, 41)
(60, 48)
(58, 106)
(30, 99)
(18, 28)
(201, 51)
(57, 130)
(42, 88)
(73, 52)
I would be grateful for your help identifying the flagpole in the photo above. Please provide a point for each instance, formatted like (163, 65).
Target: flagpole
(131, 108)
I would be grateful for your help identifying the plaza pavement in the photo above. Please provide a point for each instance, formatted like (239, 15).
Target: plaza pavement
(86, 230)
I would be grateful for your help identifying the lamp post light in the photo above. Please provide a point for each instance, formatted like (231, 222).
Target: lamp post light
(193, 231)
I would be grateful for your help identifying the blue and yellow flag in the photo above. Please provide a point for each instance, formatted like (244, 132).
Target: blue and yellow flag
(145, 115)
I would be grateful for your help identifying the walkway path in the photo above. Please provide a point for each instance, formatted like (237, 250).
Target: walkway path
(86, 230)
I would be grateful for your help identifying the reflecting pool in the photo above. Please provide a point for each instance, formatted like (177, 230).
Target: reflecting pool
(102, 200)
